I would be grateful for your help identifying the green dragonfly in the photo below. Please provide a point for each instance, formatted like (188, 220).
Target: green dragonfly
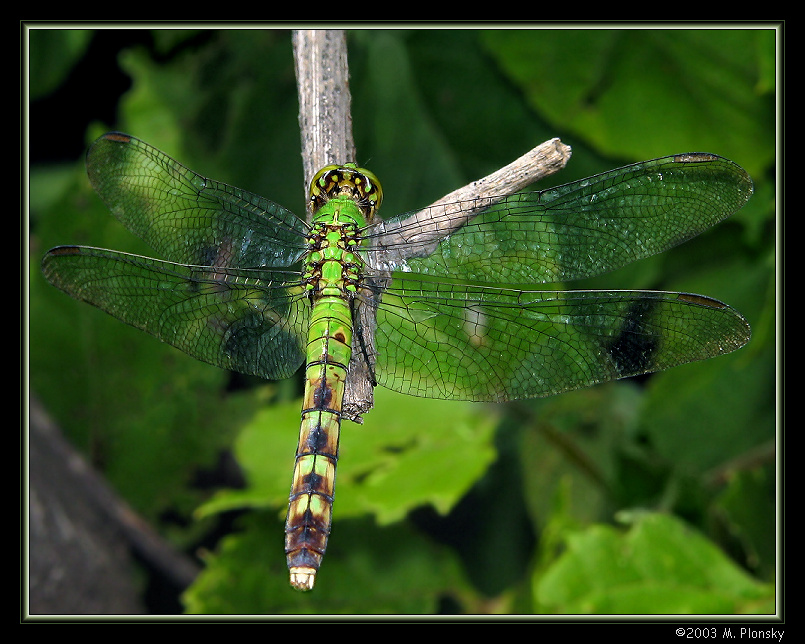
(248, 286)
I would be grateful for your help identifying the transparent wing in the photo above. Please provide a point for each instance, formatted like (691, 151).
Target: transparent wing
(576, 230)
(449, 340)
(188, 218)
(253, 321)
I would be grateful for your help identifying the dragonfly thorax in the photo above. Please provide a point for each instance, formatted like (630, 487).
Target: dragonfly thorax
(332, 268)
(350, 181)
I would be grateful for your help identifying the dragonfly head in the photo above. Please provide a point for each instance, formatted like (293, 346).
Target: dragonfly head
(347, 180)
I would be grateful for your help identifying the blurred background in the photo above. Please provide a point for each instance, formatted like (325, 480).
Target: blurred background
(655, 495)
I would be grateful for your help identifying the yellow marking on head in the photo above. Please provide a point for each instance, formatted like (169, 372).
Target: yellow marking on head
(361, 184)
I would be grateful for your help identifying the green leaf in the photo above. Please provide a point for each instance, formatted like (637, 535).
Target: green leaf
(660, 566)
(368, 570)
(387, 467)
(641, 93)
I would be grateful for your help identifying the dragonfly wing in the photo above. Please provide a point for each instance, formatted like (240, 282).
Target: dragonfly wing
(448, 340)
(250, 321)
(579, 229)
(188, 218)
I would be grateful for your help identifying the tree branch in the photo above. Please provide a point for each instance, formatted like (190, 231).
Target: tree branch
(325, 119)
(418, 235)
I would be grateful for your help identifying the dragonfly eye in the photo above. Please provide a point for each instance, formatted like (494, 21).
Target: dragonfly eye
(358, 183)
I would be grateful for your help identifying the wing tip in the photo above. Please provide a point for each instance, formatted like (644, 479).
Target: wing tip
(696, 157)
(58, 251)
(118, 137)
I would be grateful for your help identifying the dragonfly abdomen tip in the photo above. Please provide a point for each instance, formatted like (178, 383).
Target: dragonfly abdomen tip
(303, 578)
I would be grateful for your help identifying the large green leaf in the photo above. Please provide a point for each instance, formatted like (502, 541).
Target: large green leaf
(634, 92)
(369, 571)
(660, 566)
(387, 467)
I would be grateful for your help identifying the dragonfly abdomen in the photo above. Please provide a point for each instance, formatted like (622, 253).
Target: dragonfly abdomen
(332, 271)
(307, 527)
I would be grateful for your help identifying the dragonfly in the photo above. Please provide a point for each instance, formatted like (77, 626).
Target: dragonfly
(247, 285)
